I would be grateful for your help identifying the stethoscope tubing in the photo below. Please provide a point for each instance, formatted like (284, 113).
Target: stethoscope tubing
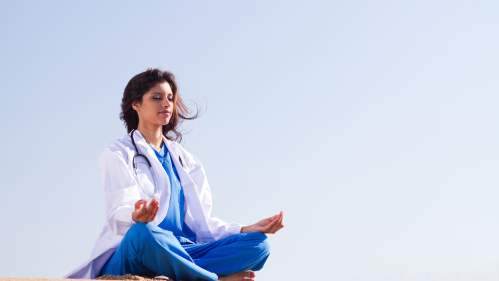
(138, 154)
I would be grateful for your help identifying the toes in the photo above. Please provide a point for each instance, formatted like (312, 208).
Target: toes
(239, 276)
(249, 274)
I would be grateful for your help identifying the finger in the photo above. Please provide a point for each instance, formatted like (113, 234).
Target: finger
(273, 218)
(277, 226)
(142, 212)
(278, 216)
(138, 216)
(157, 209)
(267, 221)
(151, 213)
(149, 205)
(148, 211)
(139, 204)
(154, 211)
(145, 206)
(152, 206)
(280, 224)
(270, 225)
(267, 228)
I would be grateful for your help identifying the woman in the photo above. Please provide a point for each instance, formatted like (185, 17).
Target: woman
(158, 201)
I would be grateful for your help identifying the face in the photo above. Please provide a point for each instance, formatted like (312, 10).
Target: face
(156, 107)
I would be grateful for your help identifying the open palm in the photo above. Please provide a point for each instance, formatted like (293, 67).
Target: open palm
(269, 225)
(145, 212)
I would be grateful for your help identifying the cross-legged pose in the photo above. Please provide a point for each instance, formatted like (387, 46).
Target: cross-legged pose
(158, 201)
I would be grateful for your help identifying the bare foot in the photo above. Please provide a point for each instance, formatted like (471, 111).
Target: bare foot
(239, 276)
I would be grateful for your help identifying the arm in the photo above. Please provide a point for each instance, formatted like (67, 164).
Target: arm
(121, 196)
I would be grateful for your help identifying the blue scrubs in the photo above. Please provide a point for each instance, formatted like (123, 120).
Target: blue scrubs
(168, 249)
(174, 220)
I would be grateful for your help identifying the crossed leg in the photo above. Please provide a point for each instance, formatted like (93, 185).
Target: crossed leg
(148, 250)
(240, 253)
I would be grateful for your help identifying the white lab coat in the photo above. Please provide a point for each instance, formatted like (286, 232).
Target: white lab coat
(121, 192)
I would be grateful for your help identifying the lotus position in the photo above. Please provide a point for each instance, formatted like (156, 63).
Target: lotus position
(158, 201)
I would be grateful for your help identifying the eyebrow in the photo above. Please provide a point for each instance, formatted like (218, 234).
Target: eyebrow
(162, 93)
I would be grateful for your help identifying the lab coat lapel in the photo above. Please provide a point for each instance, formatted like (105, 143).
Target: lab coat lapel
(162, 179)
(190, 191)
(185, 181)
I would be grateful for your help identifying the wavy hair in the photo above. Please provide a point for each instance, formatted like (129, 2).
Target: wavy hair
(141, 84)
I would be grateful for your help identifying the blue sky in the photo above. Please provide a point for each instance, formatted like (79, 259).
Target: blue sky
(372, 124)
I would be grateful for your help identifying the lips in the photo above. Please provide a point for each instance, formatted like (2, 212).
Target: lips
(165, 113)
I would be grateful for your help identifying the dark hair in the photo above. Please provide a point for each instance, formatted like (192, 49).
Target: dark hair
(141, 84)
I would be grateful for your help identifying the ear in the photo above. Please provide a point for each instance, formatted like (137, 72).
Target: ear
(136, 105)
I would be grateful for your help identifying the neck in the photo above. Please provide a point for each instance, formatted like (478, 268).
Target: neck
(153, 134)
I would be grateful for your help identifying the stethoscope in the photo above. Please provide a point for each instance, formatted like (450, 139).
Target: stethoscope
(137, 154)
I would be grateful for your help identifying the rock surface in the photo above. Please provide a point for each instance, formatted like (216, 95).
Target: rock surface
(105, 277)
(124, 277)
(39, 279)
(133, 278)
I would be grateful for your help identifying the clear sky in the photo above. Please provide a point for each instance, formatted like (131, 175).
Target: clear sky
(374, 126)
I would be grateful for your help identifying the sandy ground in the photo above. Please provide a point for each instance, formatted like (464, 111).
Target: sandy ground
(105, 277)
(36, 279)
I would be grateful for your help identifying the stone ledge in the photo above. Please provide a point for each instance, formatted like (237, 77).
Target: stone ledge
(130, 277)
(127, 277)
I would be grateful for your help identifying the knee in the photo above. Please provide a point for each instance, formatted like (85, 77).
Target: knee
(148, 232)
(256, 236)
(264, 246)
(260, 250)
(261, 242)
(140, 229)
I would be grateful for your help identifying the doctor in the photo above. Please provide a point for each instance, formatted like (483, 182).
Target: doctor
(158, 201)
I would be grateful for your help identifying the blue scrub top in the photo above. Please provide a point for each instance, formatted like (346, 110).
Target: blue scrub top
(174, 220)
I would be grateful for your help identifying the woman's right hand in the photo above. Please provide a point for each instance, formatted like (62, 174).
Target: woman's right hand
(145, 212)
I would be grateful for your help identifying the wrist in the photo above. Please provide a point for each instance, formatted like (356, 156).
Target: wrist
(133, 218)
(246, 228)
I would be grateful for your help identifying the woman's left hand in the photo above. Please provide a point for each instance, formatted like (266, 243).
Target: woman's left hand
(269, 225)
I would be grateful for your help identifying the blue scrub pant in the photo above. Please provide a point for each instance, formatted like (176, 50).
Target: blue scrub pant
(148, 250)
